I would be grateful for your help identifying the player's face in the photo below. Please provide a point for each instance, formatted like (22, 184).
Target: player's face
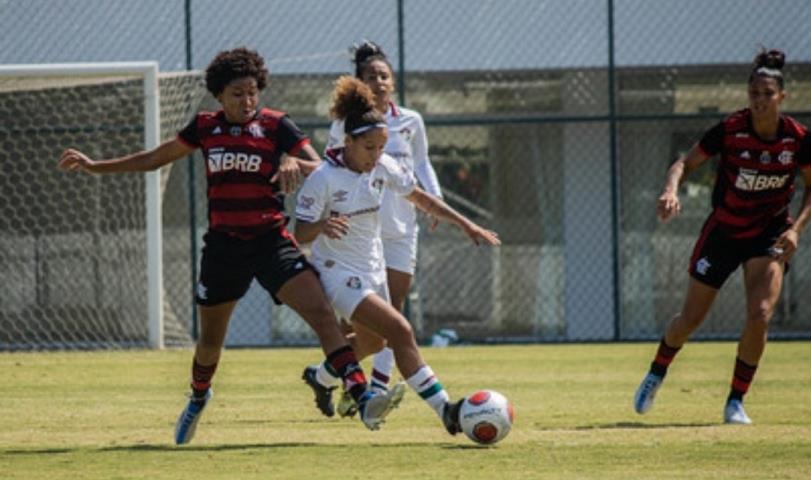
(240, 99)
(765, 96)
(363, 152)
(379, 78)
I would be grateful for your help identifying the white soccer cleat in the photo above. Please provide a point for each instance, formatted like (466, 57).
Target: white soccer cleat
(646, 393)
(376, 405)
(735, 414)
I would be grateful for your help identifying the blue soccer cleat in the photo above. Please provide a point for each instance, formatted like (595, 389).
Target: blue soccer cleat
(735, 414)
(375, 405)
(187, 422)
(646, 393)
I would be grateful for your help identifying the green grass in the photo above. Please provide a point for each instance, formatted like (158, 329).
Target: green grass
(110, 415)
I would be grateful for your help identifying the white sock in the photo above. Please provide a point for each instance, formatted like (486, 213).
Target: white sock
(325, 377)
(382, 365)
(425, 383)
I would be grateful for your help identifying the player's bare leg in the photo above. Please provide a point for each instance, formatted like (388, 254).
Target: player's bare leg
(763, 279)
(697, 303)
(213, 327)
(380, 316)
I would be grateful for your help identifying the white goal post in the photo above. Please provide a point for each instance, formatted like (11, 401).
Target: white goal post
(148, 71)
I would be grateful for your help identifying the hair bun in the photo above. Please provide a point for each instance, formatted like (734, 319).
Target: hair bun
(365, 50)
(774, 59)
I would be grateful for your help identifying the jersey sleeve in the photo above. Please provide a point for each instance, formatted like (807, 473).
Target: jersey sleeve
(290, 138)
(400, 179)
(804, 153)
(190, 134)
(422, 164)
(312, 196)
(713, 140)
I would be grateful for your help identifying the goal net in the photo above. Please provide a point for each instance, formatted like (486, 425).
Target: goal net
(85, 259)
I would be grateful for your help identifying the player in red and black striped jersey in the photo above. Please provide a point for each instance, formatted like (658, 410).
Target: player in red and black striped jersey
(241, 161)
(252, 157)
(760, 151)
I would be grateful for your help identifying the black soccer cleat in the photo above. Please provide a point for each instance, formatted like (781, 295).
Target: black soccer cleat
(323, 395)
(450, 417)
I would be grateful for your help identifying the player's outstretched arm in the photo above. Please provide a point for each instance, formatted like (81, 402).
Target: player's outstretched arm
(437, 208)
(144, 161)
(668, 204)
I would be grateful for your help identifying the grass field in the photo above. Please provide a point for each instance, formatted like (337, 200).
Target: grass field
(110, 415)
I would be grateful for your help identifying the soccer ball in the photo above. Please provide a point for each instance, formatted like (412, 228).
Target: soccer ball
(486, 417)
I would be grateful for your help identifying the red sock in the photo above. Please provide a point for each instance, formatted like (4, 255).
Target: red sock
(664, 355)
(345, 364)
(741, 379)
(201, 377)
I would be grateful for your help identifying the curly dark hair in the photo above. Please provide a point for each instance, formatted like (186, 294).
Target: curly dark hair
(354, 102)
(230, 65)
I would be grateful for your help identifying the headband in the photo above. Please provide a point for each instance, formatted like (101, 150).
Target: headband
(771, 72)
(365, 128)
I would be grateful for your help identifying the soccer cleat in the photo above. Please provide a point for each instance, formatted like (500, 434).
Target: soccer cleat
(450, 417)
(346, 405)
(646, 393)
(735, 414)
(187, 422)
(375, 405)
(323, 395)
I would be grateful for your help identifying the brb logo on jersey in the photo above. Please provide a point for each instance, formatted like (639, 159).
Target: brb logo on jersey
(220, 160)
(750, 181)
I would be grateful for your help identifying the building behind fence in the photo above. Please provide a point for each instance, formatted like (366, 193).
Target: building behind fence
(552, 122)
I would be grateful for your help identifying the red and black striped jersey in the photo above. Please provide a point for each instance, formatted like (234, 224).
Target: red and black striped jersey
(754, 181)
(240, 161)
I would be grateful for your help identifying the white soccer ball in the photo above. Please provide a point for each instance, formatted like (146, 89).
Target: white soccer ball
(486, 417)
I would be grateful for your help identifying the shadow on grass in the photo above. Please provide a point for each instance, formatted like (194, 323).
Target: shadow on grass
(640, 425)
(161, 448)
(226, 447)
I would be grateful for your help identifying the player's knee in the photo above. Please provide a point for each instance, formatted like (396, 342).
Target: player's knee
(759, 315)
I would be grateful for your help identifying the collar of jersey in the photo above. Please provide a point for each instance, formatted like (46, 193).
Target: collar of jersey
(335, 156)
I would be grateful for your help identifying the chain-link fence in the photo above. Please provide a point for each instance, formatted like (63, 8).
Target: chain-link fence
(552, 122)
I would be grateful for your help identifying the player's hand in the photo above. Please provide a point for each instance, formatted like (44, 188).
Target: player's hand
(288, 176)
(336, 227)
(785, 246)
(72, 160)
(479, 235)
(668, 206)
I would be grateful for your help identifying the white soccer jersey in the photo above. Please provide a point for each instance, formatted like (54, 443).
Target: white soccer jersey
(334, 190)
(408, 145)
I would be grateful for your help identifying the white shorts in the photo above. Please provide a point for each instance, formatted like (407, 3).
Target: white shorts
(345, 288)
(400, 253)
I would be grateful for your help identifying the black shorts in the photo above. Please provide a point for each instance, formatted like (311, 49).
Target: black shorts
(716, 255)
(229, 264)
